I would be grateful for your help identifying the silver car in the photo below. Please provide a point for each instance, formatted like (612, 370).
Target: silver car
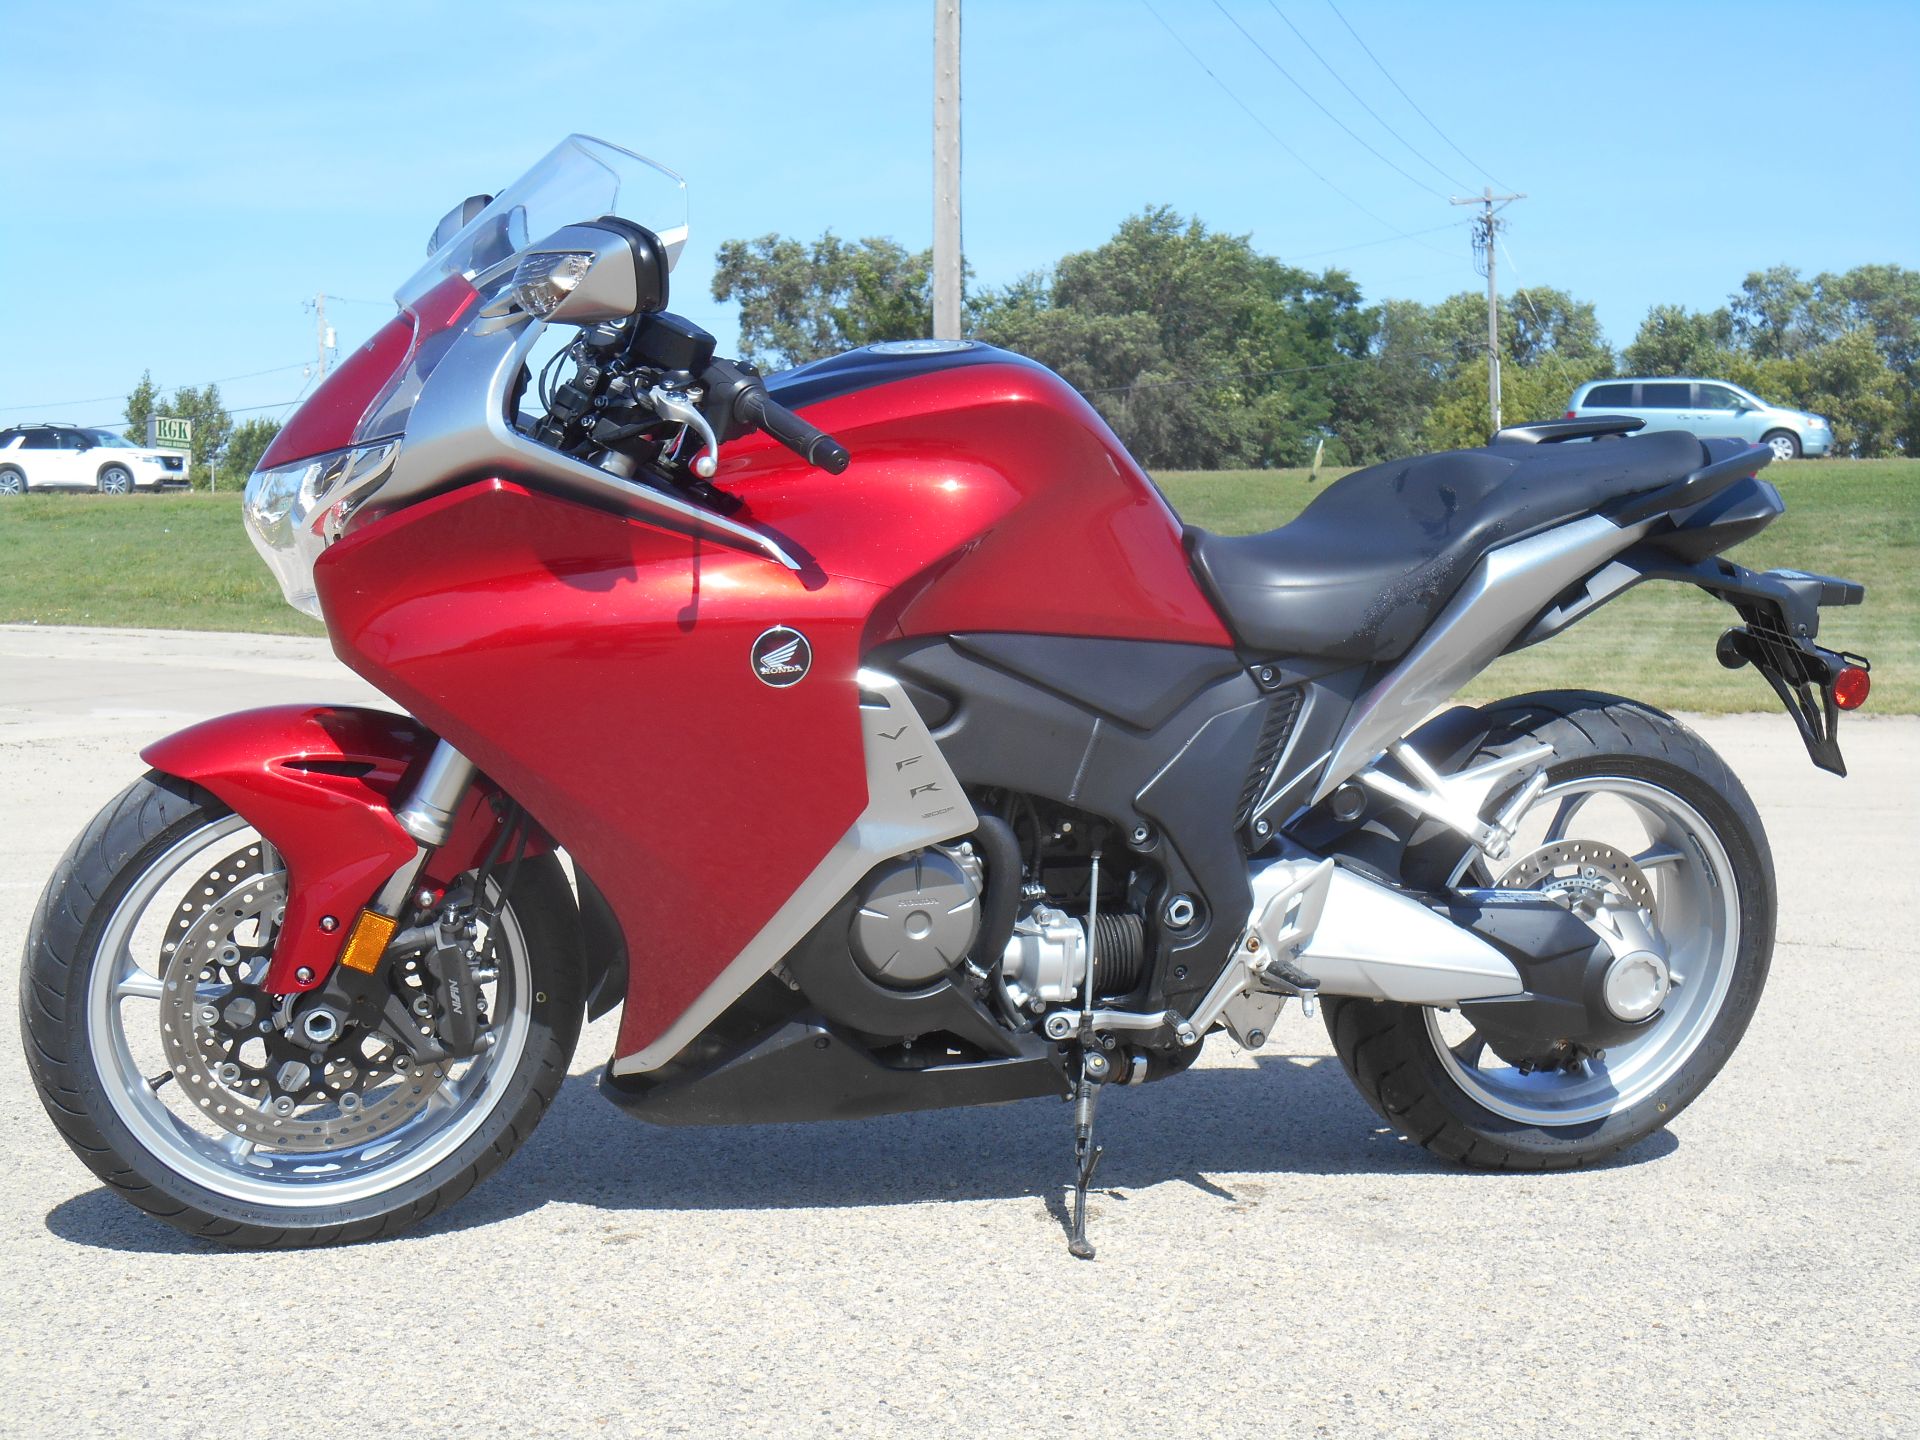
(1709, 408)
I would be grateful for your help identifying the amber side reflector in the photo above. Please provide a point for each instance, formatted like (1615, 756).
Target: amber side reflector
(1850, 688)
(368, 942)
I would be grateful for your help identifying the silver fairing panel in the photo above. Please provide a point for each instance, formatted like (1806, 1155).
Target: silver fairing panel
(458, 429)
(1506, 590)
(913, 799)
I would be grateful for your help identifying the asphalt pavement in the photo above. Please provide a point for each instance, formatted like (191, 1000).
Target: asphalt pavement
(1271, 1258)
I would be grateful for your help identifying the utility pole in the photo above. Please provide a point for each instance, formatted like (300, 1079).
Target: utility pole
(1486, 234)
(323, 338)
(946, 169)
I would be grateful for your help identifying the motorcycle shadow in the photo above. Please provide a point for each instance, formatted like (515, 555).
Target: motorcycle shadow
(1284, 1115)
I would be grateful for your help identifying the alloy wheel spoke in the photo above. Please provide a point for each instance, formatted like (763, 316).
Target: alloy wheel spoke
(1563, 816)
(138, 984)
(1469, 1050)
(446, 1098)
(1658, 855)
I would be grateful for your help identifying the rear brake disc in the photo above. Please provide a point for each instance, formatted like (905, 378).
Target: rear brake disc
(1582, 873)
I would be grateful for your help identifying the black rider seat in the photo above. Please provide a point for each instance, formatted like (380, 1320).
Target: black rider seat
(1366, 567)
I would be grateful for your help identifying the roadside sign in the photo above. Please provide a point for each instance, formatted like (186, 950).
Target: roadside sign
(166, 433)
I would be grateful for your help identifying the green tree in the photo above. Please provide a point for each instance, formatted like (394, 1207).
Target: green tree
(1196, 348)
(1381, 401)
(211, 428)
(801, 302)
(1674, 340)
(200, 404)
(245, 446)
(140, 404)
(1539, 391)
(1770, 313)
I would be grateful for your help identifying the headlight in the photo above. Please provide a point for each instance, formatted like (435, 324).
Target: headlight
(294, 512)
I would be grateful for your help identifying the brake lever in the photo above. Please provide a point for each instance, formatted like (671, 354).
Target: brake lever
(672, 405)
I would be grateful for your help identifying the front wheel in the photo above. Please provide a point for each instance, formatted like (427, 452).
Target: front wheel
(183, 1086)
(1784, 444)
(1637, 810)
(116, 480)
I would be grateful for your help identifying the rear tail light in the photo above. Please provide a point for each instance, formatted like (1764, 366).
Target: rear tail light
(1573, 415)
(1850, 687)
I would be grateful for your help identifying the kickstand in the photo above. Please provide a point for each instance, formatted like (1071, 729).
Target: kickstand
(1086, 1154)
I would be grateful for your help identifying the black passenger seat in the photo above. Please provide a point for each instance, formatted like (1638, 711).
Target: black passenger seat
(1366, 567)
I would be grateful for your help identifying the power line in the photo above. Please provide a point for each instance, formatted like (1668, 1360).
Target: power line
(1364, 244)
(1298, 158)
(1354, 136)
(1289, 370)
(103, 399)
(1328, 65)
(1471, 162)
(1520, 284)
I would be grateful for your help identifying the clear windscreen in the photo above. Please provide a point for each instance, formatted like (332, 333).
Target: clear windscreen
(579, 179)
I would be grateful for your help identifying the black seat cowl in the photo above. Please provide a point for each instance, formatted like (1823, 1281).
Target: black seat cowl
(1365, 568)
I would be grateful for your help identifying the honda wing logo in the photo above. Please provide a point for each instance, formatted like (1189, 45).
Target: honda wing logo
(782, 657)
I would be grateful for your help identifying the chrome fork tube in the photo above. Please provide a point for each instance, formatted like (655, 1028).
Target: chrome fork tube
(428, 812)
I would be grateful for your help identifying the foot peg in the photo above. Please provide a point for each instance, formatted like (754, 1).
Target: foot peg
(1286, 978)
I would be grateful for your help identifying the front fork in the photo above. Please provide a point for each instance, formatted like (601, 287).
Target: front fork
(429, 814)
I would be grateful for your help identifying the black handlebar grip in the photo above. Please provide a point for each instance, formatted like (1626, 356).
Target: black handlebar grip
(809, 442)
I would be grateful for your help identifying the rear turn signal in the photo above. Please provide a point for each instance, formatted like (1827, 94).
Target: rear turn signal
(1850, 687)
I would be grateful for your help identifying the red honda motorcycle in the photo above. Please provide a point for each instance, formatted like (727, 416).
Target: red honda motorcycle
(875, 735)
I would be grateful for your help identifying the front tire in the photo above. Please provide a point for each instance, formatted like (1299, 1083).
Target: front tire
(101, 957)
(116, 480)
(1428, 1073)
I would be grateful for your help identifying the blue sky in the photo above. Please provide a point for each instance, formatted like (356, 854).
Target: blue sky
(178, 179)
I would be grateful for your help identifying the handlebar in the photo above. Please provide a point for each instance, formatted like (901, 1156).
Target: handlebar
(755, 407)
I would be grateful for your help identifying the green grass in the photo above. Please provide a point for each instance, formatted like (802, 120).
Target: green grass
(183, 562)
(1857, 518)
(173, 562)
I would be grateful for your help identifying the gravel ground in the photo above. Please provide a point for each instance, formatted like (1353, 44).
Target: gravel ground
(1271, 1259)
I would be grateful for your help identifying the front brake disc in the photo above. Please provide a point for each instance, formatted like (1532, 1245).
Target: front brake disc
(239, 1069)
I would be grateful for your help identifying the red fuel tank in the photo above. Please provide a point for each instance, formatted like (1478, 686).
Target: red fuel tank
(984, 494)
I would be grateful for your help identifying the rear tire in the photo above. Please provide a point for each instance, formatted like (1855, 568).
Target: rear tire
(12, 481)
(125, 1139)
(1393, 1052)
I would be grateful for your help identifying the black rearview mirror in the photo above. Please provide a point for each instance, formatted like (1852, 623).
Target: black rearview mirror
(456, 220)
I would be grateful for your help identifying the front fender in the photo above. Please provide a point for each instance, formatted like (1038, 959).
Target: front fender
(318, 783)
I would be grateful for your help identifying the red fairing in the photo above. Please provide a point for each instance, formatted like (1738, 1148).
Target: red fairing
(330, 420)
(596, 667)
(319, 782)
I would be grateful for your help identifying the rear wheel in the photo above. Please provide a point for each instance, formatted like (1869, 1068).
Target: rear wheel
(1638, 811)
(12, 481)
(1784, 444)
(183, 1086)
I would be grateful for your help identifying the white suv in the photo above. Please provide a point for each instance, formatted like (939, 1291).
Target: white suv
(67, 457)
